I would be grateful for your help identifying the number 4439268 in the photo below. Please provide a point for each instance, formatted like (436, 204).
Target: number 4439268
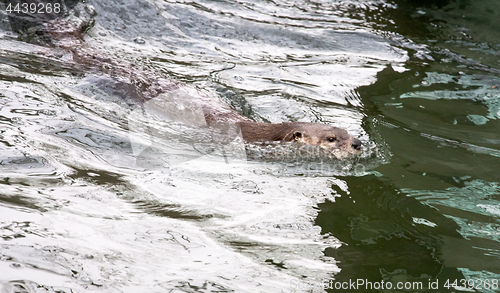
(34, 8)
(475, 284)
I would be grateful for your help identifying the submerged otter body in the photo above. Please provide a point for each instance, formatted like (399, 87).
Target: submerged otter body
(65, 31)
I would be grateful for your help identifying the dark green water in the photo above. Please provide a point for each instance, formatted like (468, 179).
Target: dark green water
(417, 81)
(441, 121)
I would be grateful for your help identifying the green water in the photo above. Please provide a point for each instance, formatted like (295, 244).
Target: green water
(440, 119)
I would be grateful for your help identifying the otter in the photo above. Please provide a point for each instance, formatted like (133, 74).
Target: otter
(65, 30)
(333, 139)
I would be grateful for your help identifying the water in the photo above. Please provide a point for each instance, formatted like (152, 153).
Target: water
(98, 196)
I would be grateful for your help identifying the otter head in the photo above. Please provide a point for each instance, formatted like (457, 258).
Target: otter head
(333, 139)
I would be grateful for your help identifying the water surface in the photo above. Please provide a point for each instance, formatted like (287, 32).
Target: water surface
(84, 208)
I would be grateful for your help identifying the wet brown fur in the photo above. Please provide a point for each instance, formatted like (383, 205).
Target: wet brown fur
(330, 138)
(333, 139)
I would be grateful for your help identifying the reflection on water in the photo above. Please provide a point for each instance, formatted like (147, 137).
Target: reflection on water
(389, 235)
(95, 195)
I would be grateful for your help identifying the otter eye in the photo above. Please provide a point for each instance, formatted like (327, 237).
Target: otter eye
(331, 139)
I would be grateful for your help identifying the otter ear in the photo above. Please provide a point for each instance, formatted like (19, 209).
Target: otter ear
(297, 135)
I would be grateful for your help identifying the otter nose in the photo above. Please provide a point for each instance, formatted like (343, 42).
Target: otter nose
(356, 144)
